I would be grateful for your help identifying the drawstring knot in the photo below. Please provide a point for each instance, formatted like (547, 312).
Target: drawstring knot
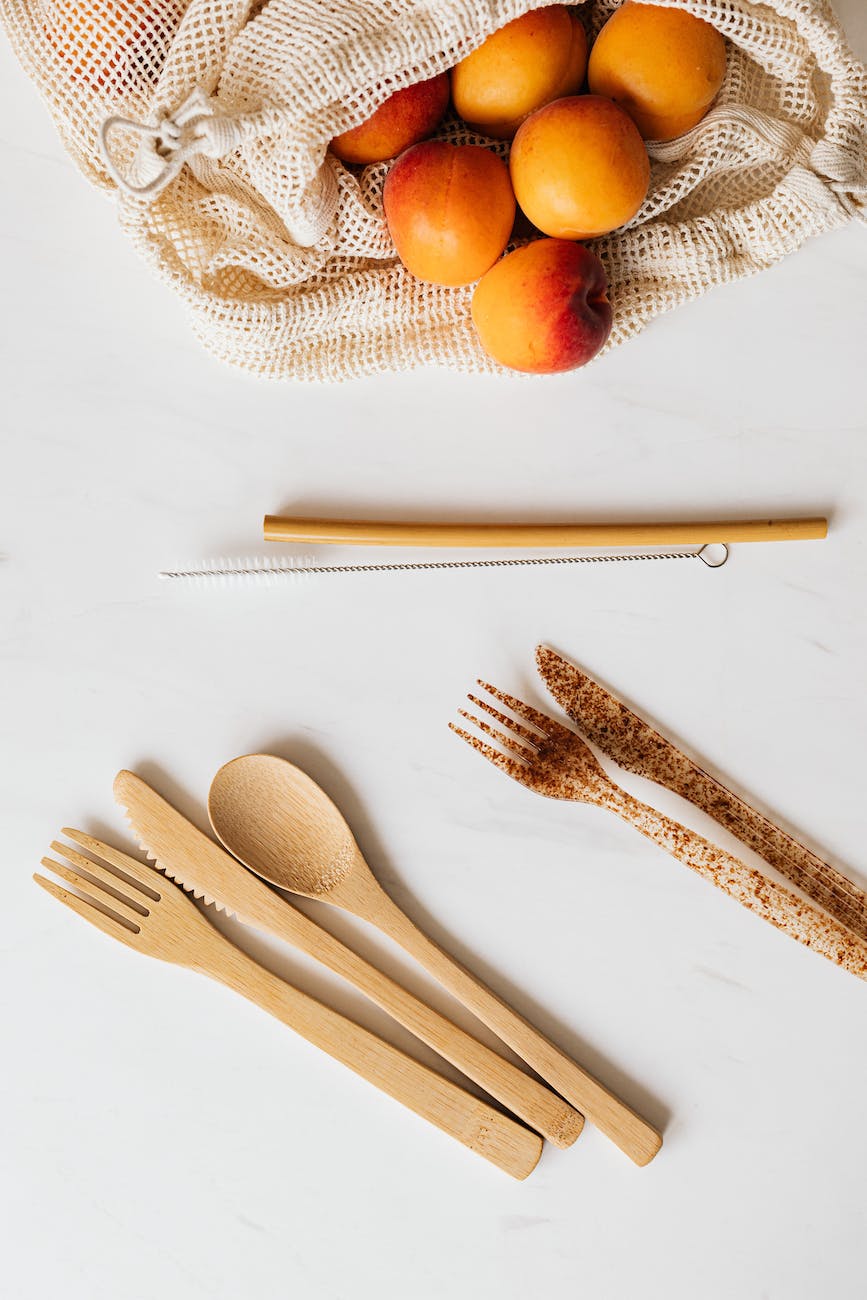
(845, 171)
(198, 126)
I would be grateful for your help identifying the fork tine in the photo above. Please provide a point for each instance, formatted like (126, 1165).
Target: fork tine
(550, 726)
(89, 909)
(143, 877)
(532, 737)
(105, 879)
(508, 742)
(121, 912)
(518, 771)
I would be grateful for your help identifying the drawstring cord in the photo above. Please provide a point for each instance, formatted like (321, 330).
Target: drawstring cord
(198, 126)
(201, 127)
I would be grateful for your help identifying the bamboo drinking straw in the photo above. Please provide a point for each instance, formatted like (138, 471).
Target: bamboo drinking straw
(367, 532)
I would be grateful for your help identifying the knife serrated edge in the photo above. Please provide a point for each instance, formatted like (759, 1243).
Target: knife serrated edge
(201, 895)
(818, 879)
(190, 858)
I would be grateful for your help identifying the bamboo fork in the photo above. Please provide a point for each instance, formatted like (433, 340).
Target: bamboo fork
(142, 909)
(552, 760)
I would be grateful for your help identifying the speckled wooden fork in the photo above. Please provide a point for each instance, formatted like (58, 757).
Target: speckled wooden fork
(552, 760)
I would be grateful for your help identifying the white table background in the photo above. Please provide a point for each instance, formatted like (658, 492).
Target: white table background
(162, 1138)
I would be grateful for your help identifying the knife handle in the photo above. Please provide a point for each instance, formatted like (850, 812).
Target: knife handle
(828, 887)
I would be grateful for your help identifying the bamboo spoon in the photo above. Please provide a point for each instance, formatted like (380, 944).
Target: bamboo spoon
(281, 825)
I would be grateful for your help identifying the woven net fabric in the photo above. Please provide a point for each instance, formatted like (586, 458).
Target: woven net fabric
(281, 253)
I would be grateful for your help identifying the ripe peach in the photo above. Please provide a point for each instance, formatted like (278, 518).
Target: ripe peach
(579, 167)
(449, 209)
(406, 117)
(544, 308)
(532, 60)
(664, 66)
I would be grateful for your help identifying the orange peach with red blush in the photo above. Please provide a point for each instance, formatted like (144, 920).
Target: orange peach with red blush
(544, 308)
(449, 209)
(407, 116)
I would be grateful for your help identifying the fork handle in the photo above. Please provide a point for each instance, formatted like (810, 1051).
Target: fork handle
(771, 901)
(613, 1117)
(497, 1137)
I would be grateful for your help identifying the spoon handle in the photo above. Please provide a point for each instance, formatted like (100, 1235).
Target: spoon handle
(771, 901)
(497, 1137)
(613, 1117)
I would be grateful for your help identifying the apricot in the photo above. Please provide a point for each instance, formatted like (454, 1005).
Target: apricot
(406, 117)
(450, 210)
(664, 66)
(544, 307)
(579, 167)
(532, 60)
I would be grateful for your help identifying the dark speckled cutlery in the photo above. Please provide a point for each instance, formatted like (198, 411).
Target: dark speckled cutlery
(547, 757)
(636, 746)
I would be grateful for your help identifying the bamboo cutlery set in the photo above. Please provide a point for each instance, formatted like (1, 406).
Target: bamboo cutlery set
(280, 832)
(281, 829)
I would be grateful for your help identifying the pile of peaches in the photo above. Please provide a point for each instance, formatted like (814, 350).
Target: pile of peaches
(578, 166)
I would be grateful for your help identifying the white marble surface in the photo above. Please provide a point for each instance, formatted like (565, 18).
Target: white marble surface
(160, 1137)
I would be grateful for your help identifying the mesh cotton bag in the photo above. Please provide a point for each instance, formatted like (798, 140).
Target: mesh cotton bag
(219, 113)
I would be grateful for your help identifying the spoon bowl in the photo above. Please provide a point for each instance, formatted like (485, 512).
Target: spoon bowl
(281, 824)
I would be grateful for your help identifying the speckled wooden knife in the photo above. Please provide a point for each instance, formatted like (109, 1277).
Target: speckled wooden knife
(636, 746)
